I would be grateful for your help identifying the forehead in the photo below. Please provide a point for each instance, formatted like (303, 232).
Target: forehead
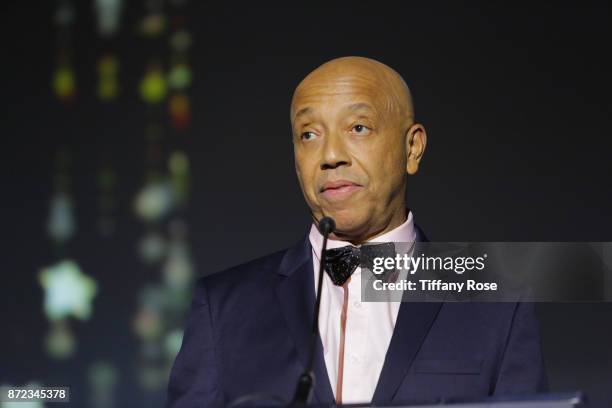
(340, 93)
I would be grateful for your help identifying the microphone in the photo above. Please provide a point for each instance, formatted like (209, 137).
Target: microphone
(303, 391)
(327, 225)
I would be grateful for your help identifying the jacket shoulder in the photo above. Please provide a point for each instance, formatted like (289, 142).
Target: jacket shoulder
(249, 276)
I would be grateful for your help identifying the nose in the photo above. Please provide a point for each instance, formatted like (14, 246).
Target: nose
(334, 153)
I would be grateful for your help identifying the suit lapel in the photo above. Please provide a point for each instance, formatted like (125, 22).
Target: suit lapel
(413, 322)
(296, 294)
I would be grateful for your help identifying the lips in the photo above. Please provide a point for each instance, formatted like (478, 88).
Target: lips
(339, 189)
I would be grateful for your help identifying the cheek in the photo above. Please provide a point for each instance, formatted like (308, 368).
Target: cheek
(307, 175)
(385, 169)
(395, 170)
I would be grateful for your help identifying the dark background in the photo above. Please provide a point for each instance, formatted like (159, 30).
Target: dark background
(516, 102)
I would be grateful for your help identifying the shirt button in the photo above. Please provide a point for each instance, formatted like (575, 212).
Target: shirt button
(355, 359)
(357, 304)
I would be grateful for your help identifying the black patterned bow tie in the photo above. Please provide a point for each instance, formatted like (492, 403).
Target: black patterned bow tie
(340, 263)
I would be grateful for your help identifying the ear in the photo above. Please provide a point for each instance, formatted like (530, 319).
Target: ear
(416, 140)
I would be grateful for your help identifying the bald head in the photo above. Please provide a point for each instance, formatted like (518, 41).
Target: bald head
(370, 76)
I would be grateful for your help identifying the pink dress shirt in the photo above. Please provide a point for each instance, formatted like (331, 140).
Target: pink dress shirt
(369, 325)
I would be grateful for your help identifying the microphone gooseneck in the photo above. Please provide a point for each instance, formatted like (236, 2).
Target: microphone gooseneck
(306, 381)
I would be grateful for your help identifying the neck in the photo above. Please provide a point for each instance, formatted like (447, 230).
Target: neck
(395, 220)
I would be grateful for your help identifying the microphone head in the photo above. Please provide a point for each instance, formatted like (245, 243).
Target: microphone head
(327, 225)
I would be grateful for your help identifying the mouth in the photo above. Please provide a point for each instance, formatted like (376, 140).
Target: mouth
(339, 189)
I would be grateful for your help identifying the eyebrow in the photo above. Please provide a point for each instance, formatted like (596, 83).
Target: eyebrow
(301, 112)
(353, 108)
(360, 106)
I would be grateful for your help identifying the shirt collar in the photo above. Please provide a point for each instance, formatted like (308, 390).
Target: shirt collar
(403, 233)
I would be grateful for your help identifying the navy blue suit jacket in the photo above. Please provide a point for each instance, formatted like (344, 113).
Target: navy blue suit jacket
(248, 331)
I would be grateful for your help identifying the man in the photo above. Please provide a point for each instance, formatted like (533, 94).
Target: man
(355, 143)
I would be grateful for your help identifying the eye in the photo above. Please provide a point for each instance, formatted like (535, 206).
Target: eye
(361, 129)
(307, 136)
